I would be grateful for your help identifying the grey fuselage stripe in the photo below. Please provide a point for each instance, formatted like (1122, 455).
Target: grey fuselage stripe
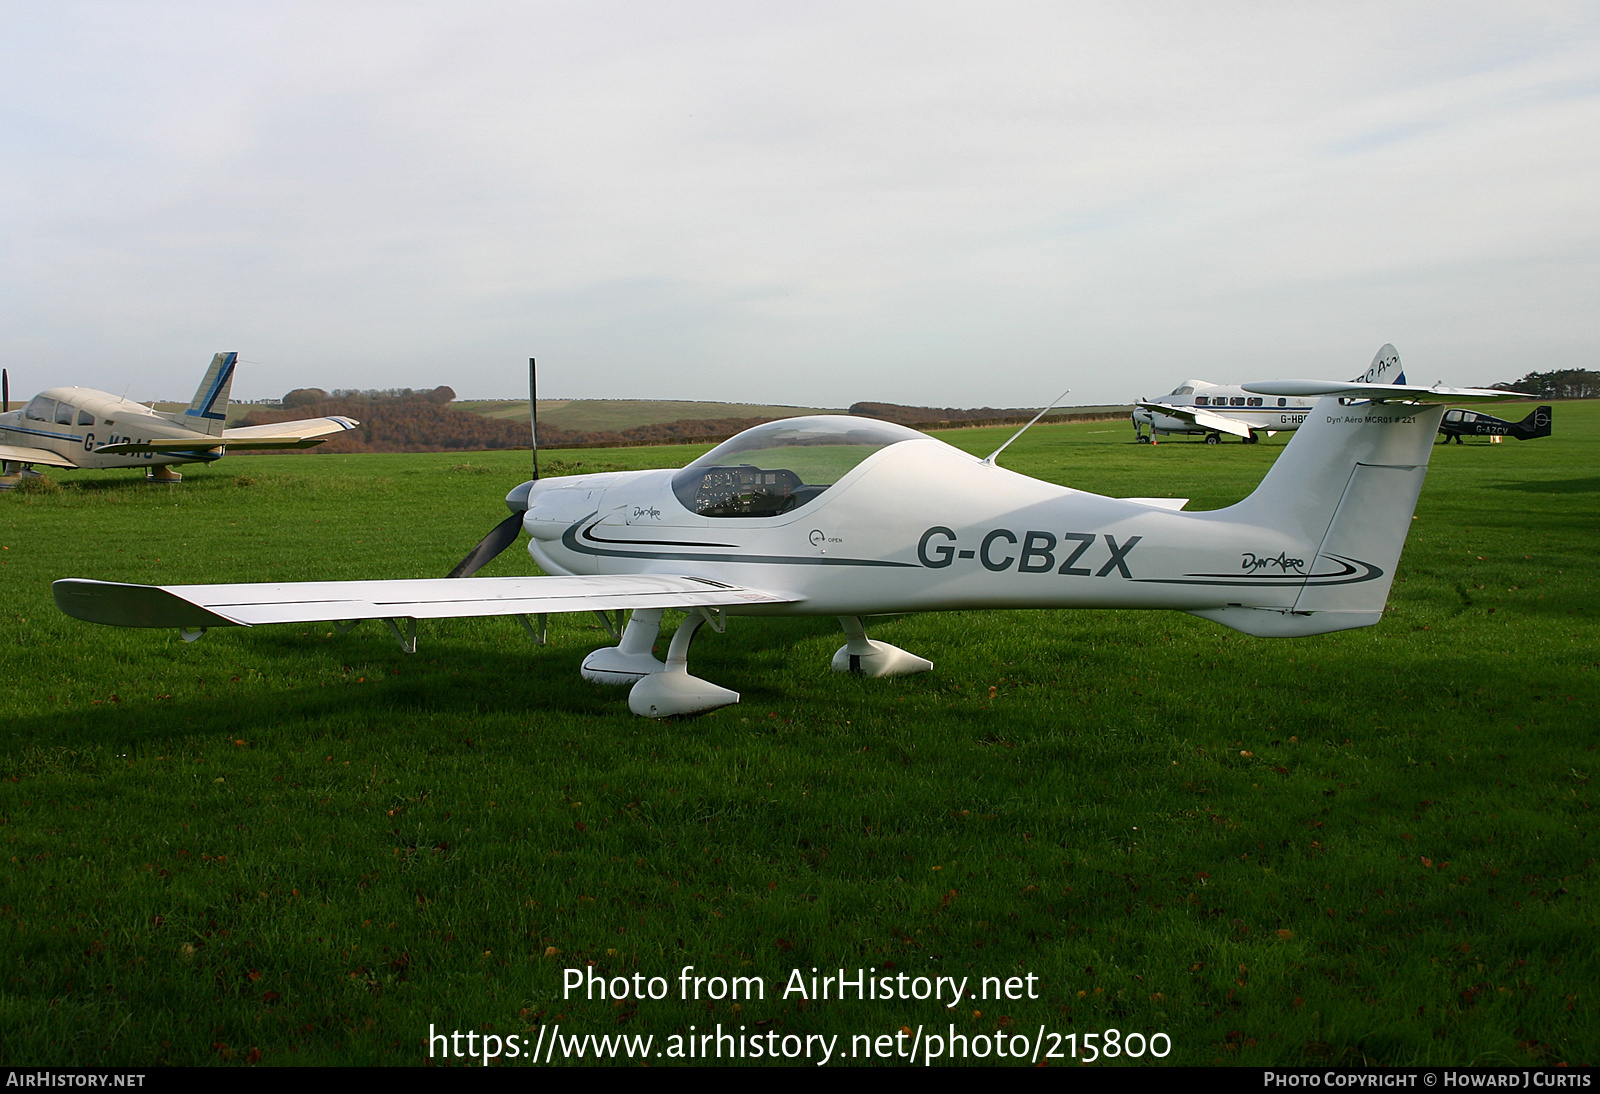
(569, 539)
(1290, 580)
(1364, 571)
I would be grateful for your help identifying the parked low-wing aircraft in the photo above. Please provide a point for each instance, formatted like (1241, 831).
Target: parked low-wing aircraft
(1199, 406)
(851, 517)
(1471, 423)
(78, 427)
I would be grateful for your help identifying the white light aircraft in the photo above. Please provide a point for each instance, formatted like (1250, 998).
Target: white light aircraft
(851, 517)
(78, 427)
(1199, 406)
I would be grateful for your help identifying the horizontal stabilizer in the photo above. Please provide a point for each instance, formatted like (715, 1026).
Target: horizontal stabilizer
(254, 604)
(1407, 393)
(266, 443)
(1278, 623)
(131, 448)
(13, 454)
(1204, 419)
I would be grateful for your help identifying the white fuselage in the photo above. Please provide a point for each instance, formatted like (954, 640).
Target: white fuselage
(1265, 413)
(76, 422)
(922, 526)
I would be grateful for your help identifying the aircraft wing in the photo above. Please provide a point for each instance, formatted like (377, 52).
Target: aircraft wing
(1202, 417)
(13, 454)
(1410, 393)
(305, 433)
(249, 605)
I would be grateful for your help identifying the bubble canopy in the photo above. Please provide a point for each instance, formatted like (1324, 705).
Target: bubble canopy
(780, 466)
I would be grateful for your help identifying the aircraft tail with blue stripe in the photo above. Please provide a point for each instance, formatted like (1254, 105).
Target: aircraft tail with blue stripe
(208, 411)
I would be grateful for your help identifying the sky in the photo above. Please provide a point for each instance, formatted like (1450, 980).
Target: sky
(809, 204)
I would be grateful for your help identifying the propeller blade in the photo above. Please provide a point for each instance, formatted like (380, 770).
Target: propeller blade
(500, 537)
(505, 533)
(533, 415)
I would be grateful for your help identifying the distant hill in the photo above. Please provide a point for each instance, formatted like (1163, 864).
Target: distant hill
(611, 415)
(416, 423)
(934, 417)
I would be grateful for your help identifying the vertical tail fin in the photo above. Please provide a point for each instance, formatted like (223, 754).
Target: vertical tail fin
(1385, 368)
(1345, 488)
(1534, 426)
(208, 411)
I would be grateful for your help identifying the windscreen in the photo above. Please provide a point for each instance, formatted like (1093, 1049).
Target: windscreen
(778, 467)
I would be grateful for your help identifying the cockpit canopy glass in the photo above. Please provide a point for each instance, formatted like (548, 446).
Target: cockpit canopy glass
(778, 467)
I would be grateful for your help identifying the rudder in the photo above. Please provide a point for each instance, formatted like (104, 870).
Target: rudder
(1534, 426)
(1385, 368)
(1346, 487)
(208, 410)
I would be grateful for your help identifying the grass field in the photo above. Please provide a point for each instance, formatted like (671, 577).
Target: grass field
(286, 845)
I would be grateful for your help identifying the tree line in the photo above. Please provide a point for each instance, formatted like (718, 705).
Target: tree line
(406, 420)
(310, 396)
(1567, 383)
(932, 417)
(421, 422)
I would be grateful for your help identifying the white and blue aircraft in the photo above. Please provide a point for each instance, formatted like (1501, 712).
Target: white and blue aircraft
(78, 427)
(851, 517)
(1201, 407)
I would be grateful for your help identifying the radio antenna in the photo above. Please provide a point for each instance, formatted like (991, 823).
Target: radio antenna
(989, 459)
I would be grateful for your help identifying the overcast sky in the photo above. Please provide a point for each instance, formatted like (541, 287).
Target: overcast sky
(807, 203)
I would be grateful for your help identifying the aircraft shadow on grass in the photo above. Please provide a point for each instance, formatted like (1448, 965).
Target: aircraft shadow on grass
(344, 708)
(520, 676)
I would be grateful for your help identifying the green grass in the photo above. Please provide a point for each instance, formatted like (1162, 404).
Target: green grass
(293, 846)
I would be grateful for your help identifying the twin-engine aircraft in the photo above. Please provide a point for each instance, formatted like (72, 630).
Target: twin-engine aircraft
(1201, 407)
(78, 427)
(851, 517)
